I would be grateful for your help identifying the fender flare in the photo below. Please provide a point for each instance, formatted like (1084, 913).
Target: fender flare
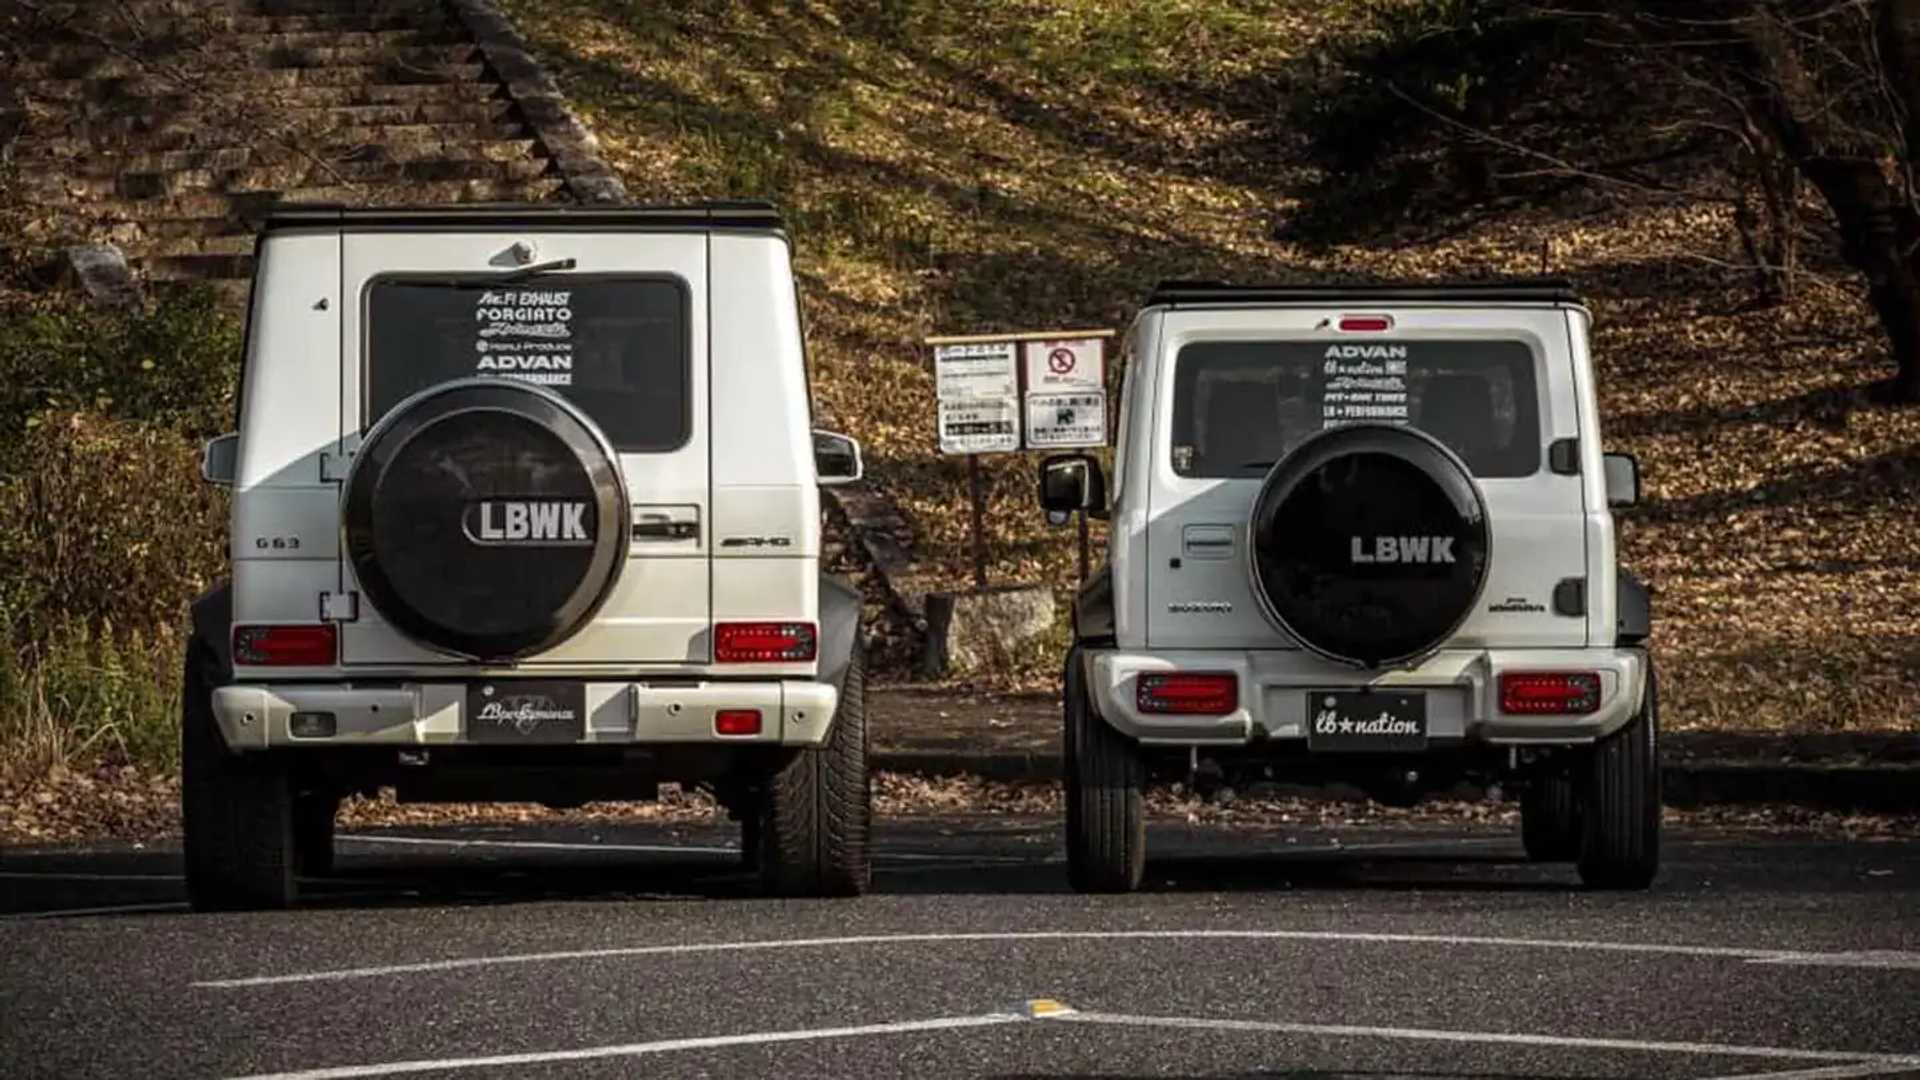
(839, 626)
(213, 625)
(1633, 609)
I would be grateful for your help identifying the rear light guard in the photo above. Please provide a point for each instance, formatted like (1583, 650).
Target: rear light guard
(769, 642)
(1549, 693)
(1187, 693)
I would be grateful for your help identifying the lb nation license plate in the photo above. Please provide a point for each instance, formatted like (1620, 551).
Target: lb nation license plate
(1366, 720)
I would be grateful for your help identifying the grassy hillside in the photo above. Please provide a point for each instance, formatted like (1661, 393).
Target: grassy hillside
(975, 166)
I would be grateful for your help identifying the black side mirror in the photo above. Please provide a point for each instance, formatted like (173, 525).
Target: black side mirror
(836, 458)
(219, 460)
(1070, 482)
(1623, 479)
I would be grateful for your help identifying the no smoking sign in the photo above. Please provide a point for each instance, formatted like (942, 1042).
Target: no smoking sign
(1060, 366)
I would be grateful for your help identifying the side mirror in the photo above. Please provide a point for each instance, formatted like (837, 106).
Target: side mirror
(219, 459)
(1623, 479)
(836, 458)
(1070, 482)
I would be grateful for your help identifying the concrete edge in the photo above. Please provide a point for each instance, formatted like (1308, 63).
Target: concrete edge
(1887, 789)
(574, 149)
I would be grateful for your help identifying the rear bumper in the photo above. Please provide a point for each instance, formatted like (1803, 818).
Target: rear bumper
(1461, 685)
(255, 716)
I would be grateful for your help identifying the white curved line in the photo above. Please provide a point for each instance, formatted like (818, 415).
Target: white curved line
(461, 963)
(707, 1042)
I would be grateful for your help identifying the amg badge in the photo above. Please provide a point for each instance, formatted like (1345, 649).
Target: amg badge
(541, 522)
(1403, 549)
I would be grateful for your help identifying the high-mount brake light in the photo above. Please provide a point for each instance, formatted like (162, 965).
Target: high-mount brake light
(763, 642)
(1548, 693)
(1366, 324)
(1188, 693)
(286, 646)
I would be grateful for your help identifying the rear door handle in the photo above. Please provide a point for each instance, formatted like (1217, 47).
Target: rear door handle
(661, 528)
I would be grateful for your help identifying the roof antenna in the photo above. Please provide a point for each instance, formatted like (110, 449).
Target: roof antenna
(1546, 254)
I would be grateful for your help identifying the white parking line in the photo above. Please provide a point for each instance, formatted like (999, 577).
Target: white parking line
(663, 1046)
(1887, 1062)
(1720, 952)
(116, 909)
(1824, 1072)
(540, 845)
(651, 849)
(56, 875)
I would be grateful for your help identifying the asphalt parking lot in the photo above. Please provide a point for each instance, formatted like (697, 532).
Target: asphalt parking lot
(639, 950)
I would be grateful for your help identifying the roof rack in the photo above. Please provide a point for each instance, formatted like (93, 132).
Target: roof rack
(742, 214)
(1533, 290)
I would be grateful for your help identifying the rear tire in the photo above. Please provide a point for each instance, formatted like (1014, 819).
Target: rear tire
(236, 809)
(1620, 807)
(1550, 818)
(817, 809)
(1106, 785)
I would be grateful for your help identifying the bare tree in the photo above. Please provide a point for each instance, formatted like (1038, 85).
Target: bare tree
(1832, 89)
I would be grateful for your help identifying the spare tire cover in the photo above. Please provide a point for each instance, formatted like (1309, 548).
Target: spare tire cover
(1370, 544)
(486, 518)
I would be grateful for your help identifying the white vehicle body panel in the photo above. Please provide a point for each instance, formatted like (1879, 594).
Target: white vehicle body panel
(1182, 589)
(745, 475)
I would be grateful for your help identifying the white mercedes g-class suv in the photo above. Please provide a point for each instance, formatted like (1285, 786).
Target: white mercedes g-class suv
(1365, 535)
(525, 507)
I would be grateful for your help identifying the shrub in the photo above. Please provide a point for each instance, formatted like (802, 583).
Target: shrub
(174, 364)
(107, 523)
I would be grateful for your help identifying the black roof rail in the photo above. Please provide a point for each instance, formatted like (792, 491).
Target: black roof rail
(1532, 290)
(719, 214)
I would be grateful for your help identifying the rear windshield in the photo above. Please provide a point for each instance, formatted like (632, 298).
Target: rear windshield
(617, 347)
(1240, 406)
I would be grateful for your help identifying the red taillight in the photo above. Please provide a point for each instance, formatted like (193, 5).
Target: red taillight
(1193, 693)
(736, 722)
(763, 642)
(285, 646)
(1536, 693)
(1365, 324)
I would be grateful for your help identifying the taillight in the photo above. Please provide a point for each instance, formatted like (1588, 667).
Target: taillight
(1366, 324)
(736, 722)
(1536, 693)
(763, 642)
(1193, 693)
(285, 646)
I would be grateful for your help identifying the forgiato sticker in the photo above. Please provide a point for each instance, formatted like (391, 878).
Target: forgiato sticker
(525, 334)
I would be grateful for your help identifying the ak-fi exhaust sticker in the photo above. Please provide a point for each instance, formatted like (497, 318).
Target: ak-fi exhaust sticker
(525, 334)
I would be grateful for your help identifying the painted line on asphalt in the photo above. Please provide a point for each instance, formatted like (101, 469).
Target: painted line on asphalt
(593, 1053)
(1780, 1053)
(1721, 952)
(651, 849)
(540, 845)
(1826, 1072)
(58, 875)
(116, 909)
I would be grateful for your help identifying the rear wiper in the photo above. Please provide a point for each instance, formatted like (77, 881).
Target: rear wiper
(521, 273)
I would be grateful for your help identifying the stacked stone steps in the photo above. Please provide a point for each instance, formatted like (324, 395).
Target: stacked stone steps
(102, 183)
(361, 102)
(147, 88)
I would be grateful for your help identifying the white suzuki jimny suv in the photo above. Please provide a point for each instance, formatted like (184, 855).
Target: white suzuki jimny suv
(1362, 534)
(525, 507)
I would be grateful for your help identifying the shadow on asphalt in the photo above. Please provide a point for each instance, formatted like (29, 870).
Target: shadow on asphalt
(427, 878)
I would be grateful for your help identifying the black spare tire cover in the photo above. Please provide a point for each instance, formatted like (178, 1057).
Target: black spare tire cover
(1370, 544)
(486, 518)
